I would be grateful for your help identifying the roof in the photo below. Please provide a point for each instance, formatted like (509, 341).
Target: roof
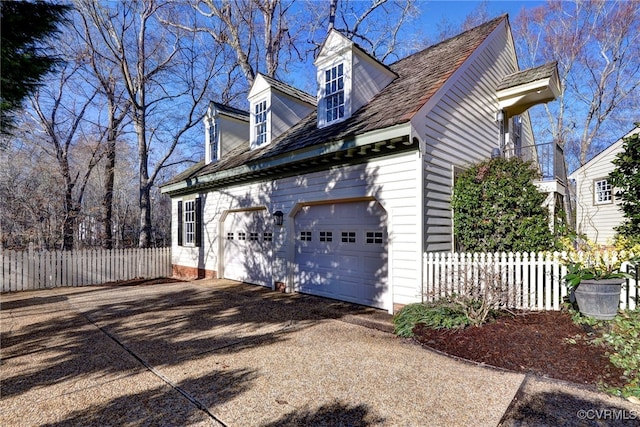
(420, 76)
(231, 111)
(518, 78)
(290, 90)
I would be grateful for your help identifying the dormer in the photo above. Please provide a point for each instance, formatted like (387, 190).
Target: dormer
(225, 128)
(275, 107)
(347, 78)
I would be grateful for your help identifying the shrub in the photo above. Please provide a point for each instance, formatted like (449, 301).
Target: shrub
(437, 315)
(497, 208)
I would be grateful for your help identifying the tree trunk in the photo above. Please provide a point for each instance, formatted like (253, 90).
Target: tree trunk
(107, 198)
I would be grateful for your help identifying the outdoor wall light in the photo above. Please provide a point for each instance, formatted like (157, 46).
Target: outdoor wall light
(495, 153)
(278, 216)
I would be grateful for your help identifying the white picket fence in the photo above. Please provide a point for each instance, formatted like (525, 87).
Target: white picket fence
(533, 281)
(31, 269)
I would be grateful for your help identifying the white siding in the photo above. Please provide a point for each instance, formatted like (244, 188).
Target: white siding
(232, 133)
(286, 112)
(458, 128)
(391, 180)
(596, 221)
(369, 78)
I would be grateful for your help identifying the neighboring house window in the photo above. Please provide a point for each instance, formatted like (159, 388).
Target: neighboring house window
(348, 237)
(190, 222)
(374, 237)
(213, 140)
(260, 120)
(602, 191)
(305, 236)
(326, 236)
(334, 93)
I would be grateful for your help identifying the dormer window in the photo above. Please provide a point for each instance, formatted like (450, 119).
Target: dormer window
(334, 93)
(260, 123)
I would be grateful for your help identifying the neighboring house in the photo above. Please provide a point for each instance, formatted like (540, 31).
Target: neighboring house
(598, 209)
(340, 194)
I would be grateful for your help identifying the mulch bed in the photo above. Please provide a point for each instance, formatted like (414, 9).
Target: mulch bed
(532, 342)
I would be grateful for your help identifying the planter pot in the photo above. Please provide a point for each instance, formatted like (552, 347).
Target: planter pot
(599, 298)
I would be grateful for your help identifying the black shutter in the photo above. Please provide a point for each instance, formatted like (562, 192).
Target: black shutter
(198, 221)
(180, 226)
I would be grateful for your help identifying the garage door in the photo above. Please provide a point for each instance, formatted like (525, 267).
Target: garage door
(248, 247)
(341, 252)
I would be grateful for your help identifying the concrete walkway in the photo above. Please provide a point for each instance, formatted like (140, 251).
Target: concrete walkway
(214, 352)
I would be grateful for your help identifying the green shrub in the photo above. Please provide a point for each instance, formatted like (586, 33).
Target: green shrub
(624, 340)
(497, 208)
(437, 315)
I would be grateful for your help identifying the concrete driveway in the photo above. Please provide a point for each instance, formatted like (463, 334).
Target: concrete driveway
(217, 352)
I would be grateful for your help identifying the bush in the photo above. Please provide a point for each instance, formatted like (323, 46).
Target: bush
(437, 315)
(497, 208)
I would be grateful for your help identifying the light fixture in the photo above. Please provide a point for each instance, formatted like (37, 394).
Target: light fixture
(499, 116)
(278, 216)
(495, 153)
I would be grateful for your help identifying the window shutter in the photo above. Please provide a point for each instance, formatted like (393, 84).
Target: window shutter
(198, 237)
(180, 225)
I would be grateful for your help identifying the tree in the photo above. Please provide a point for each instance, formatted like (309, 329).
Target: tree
(25, 60)
(626, 178)
(166, 74)
(597, 46)
(496, 207)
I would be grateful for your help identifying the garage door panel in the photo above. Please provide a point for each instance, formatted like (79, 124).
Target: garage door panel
(248, 247)
(341, 252)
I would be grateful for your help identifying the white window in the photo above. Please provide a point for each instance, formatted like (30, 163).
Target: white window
(190, 222)
(229, 236)
(260, 123)
(253, 237)
(242, 235)
(602, 191)
(213, 140)
(334, 93)
(267, 236)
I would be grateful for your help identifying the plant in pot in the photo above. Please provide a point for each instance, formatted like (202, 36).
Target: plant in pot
(595, 277)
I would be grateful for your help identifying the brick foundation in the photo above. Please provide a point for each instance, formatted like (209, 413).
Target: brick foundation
(191, 273)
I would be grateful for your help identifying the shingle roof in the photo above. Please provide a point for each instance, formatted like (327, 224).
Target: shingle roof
(290, 90)
(420, 76)
(527, 76)
(231, 111)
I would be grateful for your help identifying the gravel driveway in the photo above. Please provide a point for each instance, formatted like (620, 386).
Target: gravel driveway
(217, 352)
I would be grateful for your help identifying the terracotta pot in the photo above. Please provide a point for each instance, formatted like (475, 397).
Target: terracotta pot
(599, 298)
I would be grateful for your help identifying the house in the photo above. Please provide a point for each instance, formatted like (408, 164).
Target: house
(598, 209)
(340, 194)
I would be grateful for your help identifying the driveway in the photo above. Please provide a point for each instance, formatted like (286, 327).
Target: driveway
(215, 352)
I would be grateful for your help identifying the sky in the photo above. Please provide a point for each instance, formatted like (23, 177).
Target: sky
(433, 12)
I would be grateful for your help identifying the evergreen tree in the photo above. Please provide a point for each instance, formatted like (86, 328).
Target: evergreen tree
(626, 178)
(25, 60)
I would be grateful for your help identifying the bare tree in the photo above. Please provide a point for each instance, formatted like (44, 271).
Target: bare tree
(166, 75)
(597, 46)
(104, 71)
(58, 113)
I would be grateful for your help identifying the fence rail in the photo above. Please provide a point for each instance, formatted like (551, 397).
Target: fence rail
(532, 281)
(31, 269)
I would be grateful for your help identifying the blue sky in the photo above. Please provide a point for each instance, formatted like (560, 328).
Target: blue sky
(457, 10)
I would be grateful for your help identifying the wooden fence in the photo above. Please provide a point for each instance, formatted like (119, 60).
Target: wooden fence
(529, 280)
(33, 269)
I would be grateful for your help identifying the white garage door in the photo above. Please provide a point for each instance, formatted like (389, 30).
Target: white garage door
(248, 247)
(341, 252)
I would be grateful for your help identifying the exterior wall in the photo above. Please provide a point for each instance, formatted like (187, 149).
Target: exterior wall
(596, 221)
(286, 112)
(368, 80)
(457, 127)
(391, 180)
(232, 133)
